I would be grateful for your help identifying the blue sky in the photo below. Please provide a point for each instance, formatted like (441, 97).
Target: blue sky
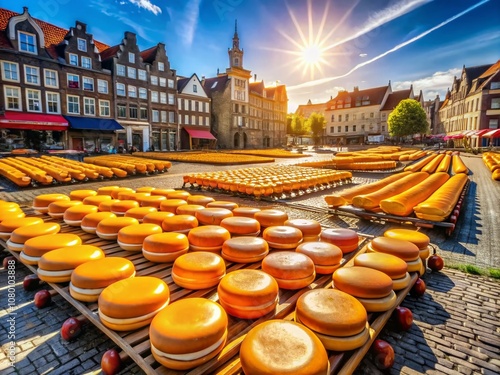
(347, 43)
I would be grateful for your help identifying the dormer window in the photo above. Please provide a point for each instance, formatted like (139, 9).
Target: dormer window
(131, 58)
(82, 45)
(27, 42)
(195, 88)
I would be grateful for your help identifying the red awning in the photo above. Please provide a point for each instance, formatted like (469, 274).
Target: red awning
(493, 133)
(201, 134)
(33, 121)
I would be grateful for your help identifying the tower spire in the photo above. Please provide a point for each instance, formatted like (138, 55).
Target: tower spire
(236, 39)
(236, 28)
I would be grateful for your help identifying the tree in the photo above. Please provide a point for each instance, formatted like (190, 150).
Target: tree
(296, 125)
(408, 118)
(317, 125)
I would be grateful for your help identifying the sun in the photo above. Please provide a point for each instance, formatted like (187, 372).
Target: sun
(311, 54)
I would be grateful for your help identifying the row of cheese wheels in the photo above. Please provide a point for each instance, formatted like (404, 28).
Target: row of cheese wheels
(439, 162)
(374, 154)
(130, 164)
(492, 161)
(207, 157)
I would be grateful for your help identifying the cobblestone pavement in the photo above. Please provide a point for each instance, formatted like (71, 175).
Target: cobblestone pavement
(457, 322)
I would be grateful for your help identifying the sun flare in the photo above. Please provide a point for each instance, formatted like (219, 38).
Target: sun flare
(311, 54)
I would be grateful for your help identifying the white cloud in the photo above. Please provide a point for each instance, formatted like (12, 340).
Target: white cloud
(146, 4)
(192, 13)
(437, 83)
(363, 55)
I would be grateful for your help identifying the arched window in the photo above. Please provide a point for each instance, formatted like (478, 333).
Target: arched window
(236, 61)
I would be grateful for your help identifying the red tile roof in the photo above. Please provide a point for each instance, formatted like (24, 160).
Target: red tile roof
(149, 54)
(256, 87)
(491, 70)
(110, 52)
(394, 99)
(375, 95)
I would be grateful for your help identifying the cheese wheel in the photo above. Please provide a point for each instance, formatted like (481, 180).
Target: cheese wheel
(212, 215)
(57, 208)
(162, 192)
(311, 229)
(326, 256)
(139, 212)
(106, 190)
(379, 304)
(346, 239)
(401, 283)
(285, 348)
(189, 209)
(105, 206)
(178, 194)
(151, 201)
(290, 269)
(9, 225)
(201, 200)
(282, 237)
(420, 239)
(342, 344)
(156, 217)
(20, 235)
(119, 207)
(223, 204)
(391, 265)
(108, 229)
(80, 195)
(415, 265)
(179, 223)
(41, 202)
(241, 226)
(73, 216)
(97, 200)
(170, 205)
(188, 333)
(401, 248)
(199, 270)
(115, 192)
(208, 237)
(145, 189)
(14, 213)
(89, 223)
(37, 246)
(362, 282)
(131, 237)
(244, 249)
(165, 247)
(271, 217)
(248, 294)
(246, 211)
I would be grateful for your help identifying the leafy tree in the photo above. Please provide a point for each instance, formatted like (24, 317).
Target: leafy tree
(297, 125)
(408, 118)
(317, 125)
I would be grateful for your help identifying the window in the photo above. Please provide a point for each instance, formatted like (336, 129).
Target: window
(73, 104)
(339, 129)
(180, 102)
(132, 111)
(27, 42)
(493, 124)
(347, 117)
(362, 127)
(200, 120)
(170, 83)
(143, 93)
(142, 74)
(120, 70)
(13, 98)
(86, 62)
(207, 107)
(122, 110)
(154, 96)
(161, 66)
(132, 91)
(171, 117)
(131, 58)
(340, 118)
(52, 102)
(186, 119)
(131, 72)
(495, 103)
(332, 119)
(171, 99)
(89, 106)
(120, 89)
(144, 113)
(331, 129)
(73, 81)
(346, 128)
(163, 116)
(196, 106)
(102, 86)
(31, 74)
(236, 61)
(163, 82)
(10, 71)
(193, 120)
(33, 100)
(156, 115)
(163, 97)
(195, 88)
(104, 110)
(354, 116)
(354, 128)
(82, 45)
(495, 85)
(88, 84)
(51, 78)
(154, 80)
(371, 114)
(383, 128)
(73, 59)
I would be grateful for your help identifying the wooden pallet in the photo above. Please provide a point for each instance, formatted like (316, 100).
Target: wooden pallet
(136, 344)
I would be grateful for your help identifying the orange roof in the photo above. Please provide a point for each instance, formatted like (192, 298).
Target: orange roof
(149, 54)
(491, 70)
(394, 99)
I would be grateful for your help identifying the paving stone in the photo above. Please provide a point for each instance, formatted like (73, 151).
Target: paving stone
(66, 368)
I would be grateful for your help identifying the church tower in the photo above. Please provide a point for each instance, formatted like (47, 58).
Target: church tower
(235, 53)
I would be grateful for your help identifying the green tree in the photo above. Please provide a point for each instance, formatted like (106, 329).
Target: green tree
(408, 118)
(316, 122)
(296, 125)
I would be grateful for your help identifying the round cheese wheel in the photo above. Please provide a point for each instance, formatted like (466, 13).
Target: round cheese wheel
(401, 283)
(37, 246)
(223, 204)
(310, 229)
(97, 200)
(41, 202)
(379, 304)
(188, 333)
(415, 265)
(115, 192)
(283, 347)
(14, 213)
(145, 189)
(346, 239)
(170, 205)
(162, 192)
(20, 235)
(9, 225)
(290, 269)
(391, 265)
(89, 223)
(57, 208)
(271, 217)
(131, 237)
(105, 206)
(189, 209)
(165, 247)
(248, 294)
(245, 249)
(179, 223)
(246, 211)
(362, 282)
(331, 312)
(420, 239)
(201, 200)
(73, 216)
(401, 248)
(139, 212)
(282, 237)
(241, 226)
(199, 270)
(178, 194)
(156, 217)
(4, 205)
(119, 207)
(101, 273)
(108, 229)
(151, 201)
(208, 237)
(80, 195)
(106, 190)
(326, 256)
(212, 215)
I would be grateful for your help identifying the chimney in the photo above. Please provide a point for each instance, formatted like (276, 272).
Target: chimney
(255, 77)
(217, 71)
(25, 9)
(356, 88)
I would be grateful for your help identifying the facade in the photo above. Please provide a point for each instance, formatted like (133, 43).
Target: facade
(431, 108)
(306, 110)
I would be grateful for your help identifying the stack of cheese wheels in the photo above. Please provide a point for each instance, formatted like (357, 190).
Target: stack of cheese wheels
(271, 217)
(188, 333)
(151, 201)
(56, 266)
(201, 200)
(119, 207)
(97, 200)
(248, 294)
(162, 192)
(394, 267)
(132, 303)
(189, 209)
(89, 223)
(178, 194)
(403, 249)
(420, 239)
(199, 270)
(41, 202)
(89, 279)
(290, 269)
(35, 247)
(73, 216)
(208, 238)
(337, 318)
(140, 212)
(246, 211)
(244, 249)
(7, 226)
(170, 205)
(212, 215)
(282, 237)
(10, 210)
(80, 195)
(346, 239)
(223, 204)
(179, 223)
(283, 347)
(241, 226)
(106, 190)
(131, 237)
(165, 247)
(156, 217)
(57, 208)
(311, 229)
(20, 235)
(108, 229)
(105, 206)
(116, 192)
(370, 287)
(326, 256)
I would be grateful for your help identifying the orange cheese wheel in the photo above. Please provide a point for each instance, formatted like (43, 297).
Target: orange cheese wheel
(198, 270)
(391, 265)
(241, 226)
(106, 190)
(156, 217)
(310, 229)
(9, 225)
(179, 223)
(290, 269)
(11, 213)
(131, 196)
(37, 246)
(162, 192)
(102, 272)
(212, 215)
(170, 205)
(326, 256)
(178, 194)
(105, 206)
(115, 192)
(131, 237)
(97, 200)
(223, 204)
(208, 238)
(68, 259)
(244, 249)
(248, 294)
(145, 189)
(188, 209)
(246, 211)
(89, 223)
(283, 347)
(139, 212)
(420, 239)
(346, 239)
(331, 312)
(119, 207)
(20, 235)
(165, 247)
(201, 200)
(57, 208)
(401, 248)
(282, 237)
(73, 216)
(362, 282)
(271, 217)
(108, 228)
(151, 201)
(41, 202)
(80, 195)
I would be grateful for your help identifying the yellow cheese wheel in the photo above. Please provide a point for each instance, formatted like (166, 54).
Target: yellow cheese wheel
(362, 282)
(391, 265)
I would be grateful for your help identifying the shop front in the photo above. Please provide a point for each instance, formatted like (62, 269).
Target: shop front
(92, 134)
(163, 139)
(135, 137)
(197, 139)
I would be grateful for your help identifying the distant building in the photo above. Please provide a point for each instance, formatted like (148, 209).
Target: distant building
(306, 110)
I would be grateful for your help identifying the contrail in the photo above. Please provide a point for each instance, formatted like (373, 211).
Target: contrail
(399, 46)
